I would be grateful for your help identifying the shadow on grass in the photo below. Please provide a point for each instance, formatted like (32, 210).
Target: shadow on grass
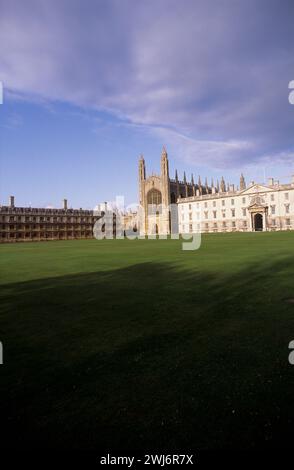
(149, 356)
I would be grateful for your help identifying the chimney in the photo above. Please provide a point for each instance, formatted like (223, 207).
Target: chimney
(292, 179)
(232, 188)
(11, 201)
(65, 204)
(270, 181)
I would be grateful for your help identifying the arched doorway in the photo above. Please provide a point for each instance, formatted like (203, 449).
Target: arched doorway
(258, 222)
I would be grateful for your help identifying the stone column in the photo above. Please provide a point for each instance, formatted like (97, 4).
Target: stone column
(264, 224)
(250, 222)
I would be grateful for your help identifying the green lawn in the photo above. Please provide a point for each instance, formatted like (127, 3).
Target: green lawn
(136, 344)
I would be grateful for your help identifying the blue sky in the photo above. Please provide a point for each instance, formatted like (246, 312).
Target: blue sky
(90, 85)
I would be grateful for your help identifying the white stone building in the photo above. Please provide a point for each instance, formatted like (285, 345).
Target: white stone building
(258, 207)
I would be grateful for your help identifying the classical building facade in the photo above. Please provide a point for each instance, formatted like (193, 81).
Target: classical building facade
(38, 224)
(258, 207)
(219, 207)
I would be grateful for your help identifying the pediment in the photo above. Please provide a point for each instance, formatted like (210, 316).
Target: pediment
(256, 188)
(257, 206)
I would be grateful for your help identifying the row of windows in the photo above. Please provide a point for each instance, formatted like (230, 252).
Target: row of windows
(46, 235)
(232, 201)
(46, 227)
(30, 210)
(232, 225)
(286, 197)
(223, 202)
(233, 212)
(214, 214)
(287, 209)
(287, 222)
(20, 218)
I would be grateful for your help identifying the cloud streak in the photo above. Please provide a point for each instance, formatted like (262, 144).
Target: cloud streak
(209, 77)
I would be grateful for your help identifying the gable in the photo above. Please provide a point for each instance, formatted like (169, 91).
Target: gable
(256, 205)
(256, 188)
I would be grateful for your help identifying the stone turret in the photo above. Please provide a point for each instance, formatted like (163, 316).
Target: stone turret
(223, 185)
(193, 185)
(242, 183)
(142, 178)
(164, 164)
(165, 190)
(199, 185)
(142, 169)
(186, 185)
(213, 189)
(206, 186)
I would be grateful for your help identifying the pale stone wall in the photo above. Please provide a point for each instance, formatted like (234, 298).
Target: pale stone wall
(157, 221)
(170, 189)
(239, 210)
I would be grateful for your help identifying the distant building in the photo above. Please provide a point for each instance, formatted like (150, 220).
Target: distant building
(157, 192)
(166, 206)
(130, 222)
(214, 208)
(258, 207)
(38, 224)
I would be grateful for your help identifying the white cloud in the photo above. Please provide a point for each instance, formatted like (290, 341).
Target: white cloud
(215, 73)
(217, 154)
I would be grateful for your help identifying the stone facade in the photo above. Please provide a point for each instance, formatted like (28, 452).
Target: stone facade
(258, 207)
(161, 190)
(129, 222)
(37, 224)
(219, 207)
(198, 208)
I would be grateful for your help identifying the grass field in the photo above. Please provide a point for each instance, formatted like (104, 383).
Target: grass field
(138, 344)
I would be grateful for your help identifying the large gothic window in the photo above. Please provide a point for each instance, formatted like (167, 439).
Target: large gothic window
(154, 197)
(154, 201)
